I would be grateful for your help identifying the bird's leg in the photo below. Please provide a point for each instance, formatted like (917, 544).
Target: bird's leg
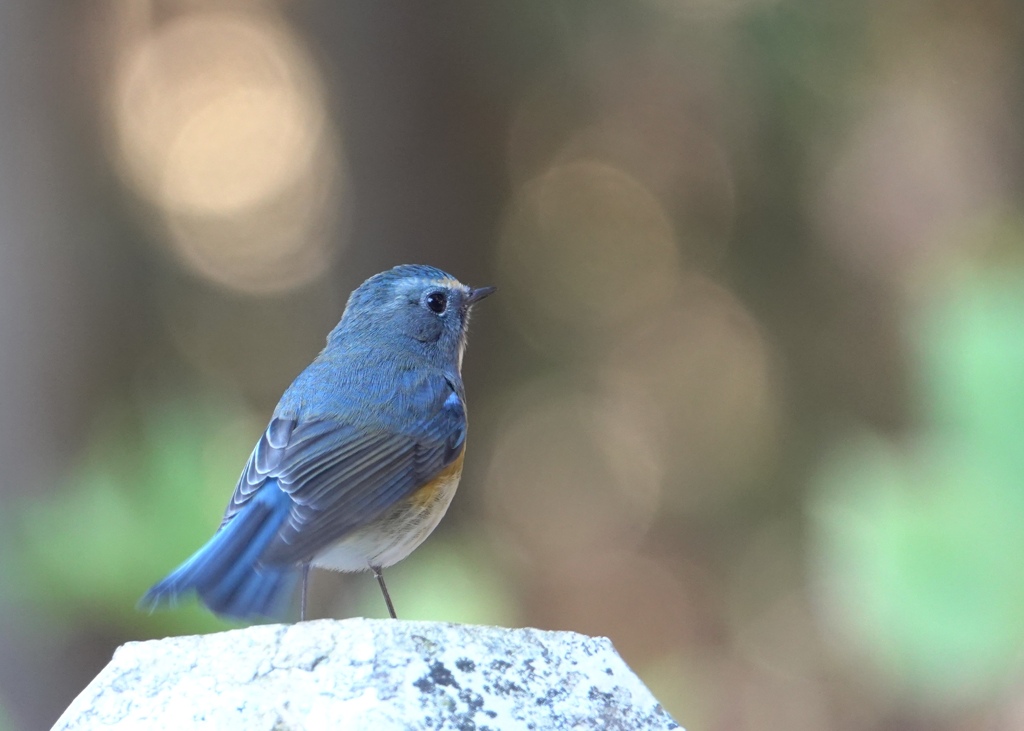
(384, 590)
(305, 584)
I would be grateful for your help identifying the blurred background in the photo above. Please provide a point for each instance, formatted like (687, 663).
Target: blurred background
(750, 400)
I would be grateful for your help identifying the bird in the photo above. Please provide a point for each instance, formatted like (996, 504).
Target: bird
(360, 460)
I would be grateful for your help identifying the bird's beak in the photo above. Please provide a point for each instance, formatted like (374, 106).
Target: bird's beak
(475, 295)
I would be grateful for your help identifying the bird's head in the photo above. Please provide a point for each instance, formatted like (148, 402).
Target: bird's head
(411, 307)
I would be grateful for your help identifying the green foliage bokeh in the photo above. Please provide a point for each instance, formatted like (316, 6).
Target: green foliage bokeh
(920, 539)
(150, 483)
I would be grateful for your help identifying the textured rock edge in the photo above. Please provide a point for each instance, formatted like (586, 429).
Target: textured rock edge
(438, 663)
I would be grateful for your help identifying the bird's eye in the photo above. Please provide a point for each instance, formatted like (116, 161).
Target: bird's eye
(437, 301)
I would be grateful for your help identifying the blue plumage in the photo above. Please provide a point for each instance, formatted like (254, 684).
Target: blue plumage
(225, 573)
(338, 478)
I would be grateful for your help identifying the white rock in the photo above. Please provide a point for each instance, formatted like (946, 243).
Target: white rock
(368, 674)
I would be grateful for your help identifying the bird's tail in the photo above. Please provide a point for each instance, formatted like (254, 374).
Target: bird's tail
(226, 572)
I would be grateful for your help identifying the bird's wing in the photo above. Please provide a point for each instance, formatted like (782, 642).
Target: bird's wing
(341, 476)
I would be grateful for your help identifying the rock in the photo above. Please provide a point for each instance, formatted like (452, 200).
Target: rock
(368, 674)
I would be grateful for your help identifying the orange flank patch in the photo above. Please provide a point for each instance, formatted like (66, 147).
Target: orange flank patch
(429, 492)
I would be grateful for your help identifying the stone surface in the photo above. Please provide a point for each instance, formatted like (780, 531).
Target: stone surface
(368, 674)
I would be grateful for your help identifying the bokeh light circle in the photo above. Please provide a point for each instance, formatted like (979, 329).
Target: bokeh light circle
(585, 250)
(700, 379)
(218, 122)
(570, 472)
(215, 112)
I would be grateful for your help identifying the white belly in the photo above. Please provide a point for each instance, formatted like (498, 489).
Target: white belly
(394, 535)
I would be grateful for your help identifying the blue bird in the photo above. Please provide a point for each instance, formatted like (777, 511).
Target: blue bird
(361, 458)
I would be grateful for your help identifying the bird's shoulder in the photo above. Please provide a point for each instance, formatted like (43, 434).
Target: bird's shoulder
(372, 390)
